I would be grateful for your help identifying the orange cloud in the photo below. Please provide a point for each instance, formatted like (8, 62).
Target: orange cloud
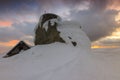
(114, 5)
(9, 43)
(5, 24)
(117, 18)
(115, 34)
(100, 46)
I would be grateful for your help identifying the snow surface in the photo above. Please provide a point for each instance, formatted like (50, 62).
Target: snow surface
(55, 61)
(72, 29)
(44, 63)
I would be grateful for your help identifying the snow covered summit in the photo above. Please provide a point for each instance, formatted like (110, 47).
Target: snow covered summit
(71, 60)
(52, 29)
(54, 61)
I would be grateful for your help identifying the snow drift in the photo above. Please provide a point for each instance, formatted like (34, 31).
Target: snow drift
(55, 61)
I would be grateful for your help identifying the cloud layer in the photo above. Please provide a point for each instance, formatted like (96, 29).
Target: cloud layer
(18, 18)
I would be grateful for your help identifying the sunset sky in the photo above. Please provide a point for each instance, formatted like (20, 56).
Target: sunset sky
(100, 19)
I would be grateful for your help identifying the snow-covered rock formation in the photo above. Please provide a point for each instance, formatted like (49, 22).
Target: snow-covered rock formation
(46, 31)
(56, 61)
(52, 29)
(72, 60)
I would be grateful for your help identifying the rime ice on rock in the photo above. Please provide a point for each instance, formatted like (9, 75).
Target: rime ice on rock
(46, 31)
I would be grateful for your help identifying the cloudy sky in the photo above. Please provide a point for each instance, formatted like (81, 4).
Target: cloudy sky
(100, 19)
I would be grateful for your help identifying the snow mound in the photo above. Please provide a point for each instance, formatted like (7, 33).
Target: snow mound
(56, 61)
(60, 61)
(71, 32)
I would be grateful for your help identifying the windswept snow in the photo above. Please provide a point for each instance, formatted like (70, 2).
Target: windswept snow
(44, 63)
(72, 29)
(55, 61)
(107, 63)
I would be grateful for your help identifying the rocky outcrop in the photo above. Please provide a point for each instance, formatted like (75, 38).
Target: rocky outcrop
(49, 35)
(17, 49)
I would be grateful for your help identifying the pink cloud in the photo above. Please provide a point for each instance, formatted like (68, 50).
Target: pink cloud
(9, 43)
(114, 5)
(5, 24)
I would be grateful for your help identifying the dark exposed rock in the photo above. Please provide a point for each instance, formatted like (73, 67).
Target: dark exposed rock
(74, 43)
(69, 37)
(19, 47)
(47, 16)
(43, 36)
